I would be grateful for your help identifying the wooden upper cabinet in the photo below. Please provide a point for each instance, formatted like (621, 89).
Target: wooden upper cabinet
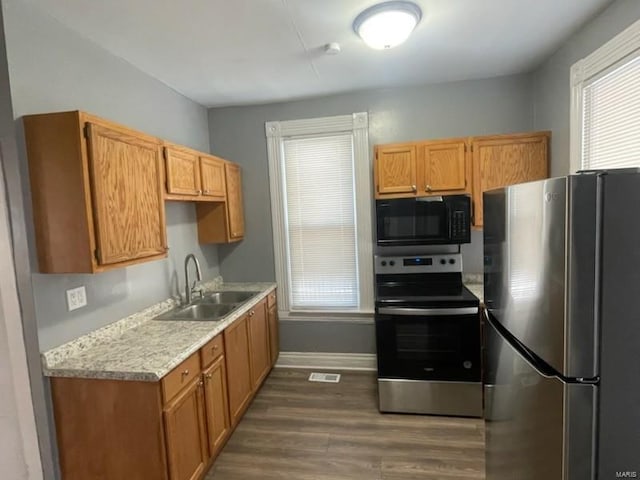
(503, 160)
(213, 177)
(183, 171)
(234, 201)
(97, 193)
(128, 211)
(438, 167)
(443, 168)
(223, 222)
(395, 170)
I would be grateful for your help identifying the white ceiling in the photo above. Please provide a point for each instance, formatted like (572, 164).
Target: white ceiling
(232, 52)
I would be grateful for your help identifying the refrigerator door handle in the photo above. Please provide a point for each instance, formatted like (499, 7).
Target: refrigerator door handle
(534, 362)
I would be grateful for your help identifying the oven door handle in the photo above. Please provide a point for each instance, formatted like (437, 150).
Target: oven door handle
(428, 311)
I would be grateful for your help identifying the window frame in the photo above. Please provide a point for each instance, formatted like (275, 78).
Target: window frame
(357, 125)
(623, 45)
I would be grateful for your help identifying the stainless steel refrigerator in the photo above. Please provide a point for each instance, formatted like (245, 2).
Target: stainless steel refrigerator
(562, 328)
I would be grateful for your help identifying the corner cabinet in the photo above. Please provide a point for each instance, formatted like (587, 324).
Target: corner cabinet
(502, 160)
(223, 222)
(97, 193)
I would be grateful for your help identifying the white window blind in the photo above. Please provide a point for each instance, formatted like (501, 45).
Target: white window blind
(611, 117)
(320, 221)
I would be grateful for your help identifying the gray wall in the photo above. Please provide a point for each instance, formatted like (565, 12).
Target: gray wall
(53, 69)
(551, 88)
(498, 105)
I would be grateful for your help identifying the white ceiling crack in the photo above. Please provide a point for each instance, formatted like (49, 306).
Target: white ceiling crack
(285, 4)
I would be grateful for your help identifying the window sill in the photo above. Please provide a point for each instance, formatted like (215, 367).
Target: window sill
(327, 316)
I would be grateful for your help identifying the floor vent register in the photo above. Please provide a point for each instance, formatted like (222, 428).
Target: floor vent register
(324, 377)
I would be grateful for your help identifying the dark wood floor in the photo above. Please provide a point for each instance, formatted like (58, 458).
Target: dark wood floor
(301, 430)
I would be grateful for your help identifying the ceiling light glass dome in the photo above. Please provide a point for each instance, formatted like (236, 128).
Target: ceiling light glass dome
(388, 24)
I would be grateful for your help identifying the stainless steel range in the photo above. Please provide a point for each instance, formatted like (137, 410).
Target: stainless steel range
(428, 336)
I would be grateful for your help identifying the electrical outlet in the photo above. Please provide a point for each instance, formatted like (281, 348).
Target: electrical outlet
(76, 298)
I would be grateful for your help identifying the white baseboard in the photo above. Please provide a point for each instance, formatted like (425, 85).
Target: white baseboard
(327, 361)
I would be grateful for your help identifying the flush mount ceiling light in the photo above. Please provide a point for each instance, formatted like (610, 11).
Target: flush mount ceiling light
(387, 24)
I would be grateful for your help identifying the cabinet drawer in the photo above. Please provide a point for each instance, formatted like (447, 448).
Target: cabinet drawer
(180, 377)
(271, 299)
(212, 351)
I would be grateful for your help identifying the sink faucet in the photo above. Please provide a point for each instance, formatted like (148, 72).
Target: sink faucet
(188, 289)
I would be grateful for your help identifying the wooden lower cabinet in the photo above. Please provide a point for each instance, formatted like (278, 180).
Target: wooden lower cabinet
(171, 429)
(186, 434)
(217, 406)
(259, 344)
(236, 341)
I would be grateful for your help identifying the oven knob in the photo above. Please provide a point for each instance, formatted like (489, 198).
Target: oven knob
(443, 261)
(452, 261)
(392, 263)
(384, 263)
(467, 364)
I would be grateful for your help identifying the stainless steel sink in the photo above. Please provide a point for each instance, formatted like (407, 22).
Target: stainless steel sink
(199, 311)
(227, 297)
(211, 308)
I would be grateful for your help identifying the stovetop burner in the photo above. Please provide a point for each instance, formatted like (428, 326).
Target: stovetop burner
(429, 281)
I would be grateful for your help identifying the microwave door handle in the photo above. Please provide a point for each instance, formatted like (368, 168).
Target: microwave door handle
(414, 312)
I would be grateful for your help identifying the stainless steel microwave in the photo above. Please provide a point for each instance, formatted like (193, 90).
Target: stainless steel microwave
(423, 221)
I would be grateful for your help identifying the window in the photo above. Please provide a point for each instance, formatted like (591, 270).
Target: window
(321, 204)
(605, 122)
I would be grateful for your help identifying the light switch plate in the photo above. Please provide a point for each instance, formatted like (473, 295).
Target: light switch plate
(76, 298)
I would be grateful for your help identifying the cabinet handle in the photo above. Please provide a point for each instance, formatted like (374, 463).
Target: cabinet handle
(414, 188)
(200, 384)
(199, 192)
(208, 376)
(427, 188)
(215, 347)
(185, 373)
(251, 313)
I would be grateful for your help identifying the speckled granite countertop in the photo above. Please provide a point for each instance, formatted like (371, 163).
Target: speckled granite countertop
(474, 282)
(138, 348)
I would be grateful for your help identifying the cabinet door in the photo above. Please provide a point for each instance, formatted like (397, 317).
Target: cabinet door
(236, 341)
(507, 160)
(395, 171)
(212, 176)
(235, 209)
(183, 172)
(128, 204)
(443, 168)
(259, 344)
(217, 407)
(274, 335)
(185, 434)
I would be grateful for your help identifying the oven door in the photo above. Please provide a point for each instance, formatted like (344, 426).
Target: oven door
(441, 344)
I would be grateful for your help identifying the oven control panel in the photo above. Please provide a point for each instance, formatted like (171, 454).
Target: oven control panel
(434, 263)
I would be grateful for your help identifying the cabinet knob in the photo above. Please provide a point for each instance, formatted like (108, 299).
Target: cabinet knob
(208, 376)
(251, 313)
(414, 188)
(205, 191)
(200, 384)
(199, 192)
(215, 347)
(427, 188)
(185, 373)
